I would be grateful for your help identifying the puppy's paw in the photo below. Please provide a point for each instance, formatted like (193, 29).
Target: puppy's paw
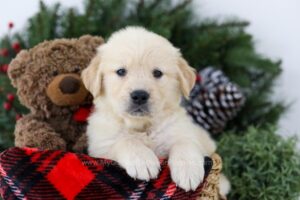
(141, 164)
(187, 171)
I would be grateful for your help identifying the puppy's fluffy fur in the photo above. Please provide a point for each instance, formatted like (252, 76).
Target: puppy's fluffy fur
(137, 139)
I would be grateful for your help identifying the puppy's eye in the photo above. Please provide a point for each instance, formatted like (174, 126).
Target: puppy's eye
(121, 72)
(55, 73)
(157, 73)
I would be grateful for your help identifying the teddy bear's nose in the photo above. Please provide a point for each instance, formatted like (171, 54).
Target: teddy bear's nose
(69, 85)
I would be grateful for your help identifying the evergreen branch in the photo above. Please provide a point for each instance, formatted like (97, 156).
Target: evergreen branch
(154, 4)
(230, 24)
(180, 7)
(140, 4)
(139, 8)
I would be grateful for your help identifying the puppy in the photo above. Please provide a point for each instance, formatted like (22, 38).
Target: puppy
(137, 79)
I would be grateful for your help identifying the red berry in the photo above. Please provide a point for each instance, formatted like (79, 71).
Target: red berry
(4, 52)
(10, 25)
(18, 116)
(16, 46)
(7, 105)
(4, 68)
(10, 97)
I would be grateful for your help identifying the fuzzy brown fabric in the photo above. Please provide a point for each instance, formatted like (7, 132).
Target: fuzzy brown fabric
(47, 78)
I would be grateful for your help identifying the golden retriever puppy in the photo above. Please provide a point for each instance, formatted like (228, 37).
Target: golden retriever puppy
(138, 79)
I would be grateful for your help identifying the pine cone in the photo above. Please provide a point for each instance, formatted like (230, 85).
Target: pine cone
(214, 101)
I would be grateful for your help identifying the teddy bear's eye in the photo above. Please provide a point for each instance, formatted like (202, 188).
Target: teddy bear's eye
(55, 73)
(76, 70)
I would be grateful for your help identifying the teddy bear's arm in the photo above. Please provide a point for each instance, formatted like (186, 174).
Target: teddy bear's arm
(32, 132)
(81, 144)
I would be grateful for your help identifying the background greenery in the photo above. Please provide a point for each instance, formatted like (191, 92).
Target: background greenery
(259, 163)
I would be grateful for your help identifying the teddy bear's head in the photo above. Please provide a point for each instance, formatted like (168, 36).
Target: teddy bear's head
(47, 77)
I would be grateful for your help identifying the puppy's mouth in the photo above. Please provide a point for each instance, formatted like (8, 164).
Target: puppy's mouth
(139, 111)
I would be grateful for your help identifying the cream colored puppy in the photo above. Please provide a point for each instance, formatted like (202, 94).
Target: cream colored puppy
(137, 80)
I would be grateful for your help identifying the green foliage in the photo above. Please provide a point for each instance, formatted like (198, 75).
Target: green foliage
(7, 116)
(44, 25)
(261, 164)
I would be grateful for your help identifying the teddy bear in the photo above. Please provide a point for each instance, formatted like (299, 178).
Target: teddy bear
(48, 83)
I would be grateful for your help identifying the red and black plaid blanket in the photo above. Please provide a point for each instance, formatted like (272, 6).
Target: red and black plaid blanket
(27, 173)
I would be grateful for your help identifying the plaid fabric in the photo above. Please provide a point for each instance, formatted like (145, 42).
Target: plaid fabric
(28, 173)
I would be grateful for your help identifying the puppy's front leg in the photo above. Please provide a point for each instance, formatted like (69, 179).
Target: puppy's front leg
(187, 164)
(138, 160)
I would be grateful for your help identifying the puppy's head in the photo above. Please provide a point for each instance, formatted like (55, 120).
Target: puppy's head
(139, 73)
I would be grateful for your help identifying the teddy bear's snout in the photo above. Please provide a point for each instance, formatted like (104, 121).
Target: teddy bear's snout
(67, 90)
(69, 85)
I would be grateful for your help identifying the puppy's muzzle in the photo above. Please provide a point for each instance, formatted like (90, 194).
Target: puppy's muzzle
(139, 103)
(139, 97)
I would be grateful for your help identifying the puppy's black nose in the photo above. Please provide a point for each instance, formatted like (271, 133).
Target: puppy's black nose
(139, 97)
(69, 85)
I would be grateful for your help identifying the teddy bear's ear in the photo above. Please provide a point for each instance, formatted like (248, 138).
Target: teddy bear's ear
(17, 67)
(91, 42)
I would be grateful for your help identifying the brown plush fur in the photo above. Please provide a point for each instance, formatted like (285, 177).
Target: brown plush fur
(38, 75)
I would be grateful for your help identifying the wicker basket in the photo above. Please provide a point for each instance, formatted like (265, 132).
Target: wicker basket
(210, 190)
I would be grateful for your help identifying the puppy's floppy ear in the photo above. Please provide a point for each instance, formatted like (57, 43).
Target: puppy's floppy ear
(187, 77)
(91, 77)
